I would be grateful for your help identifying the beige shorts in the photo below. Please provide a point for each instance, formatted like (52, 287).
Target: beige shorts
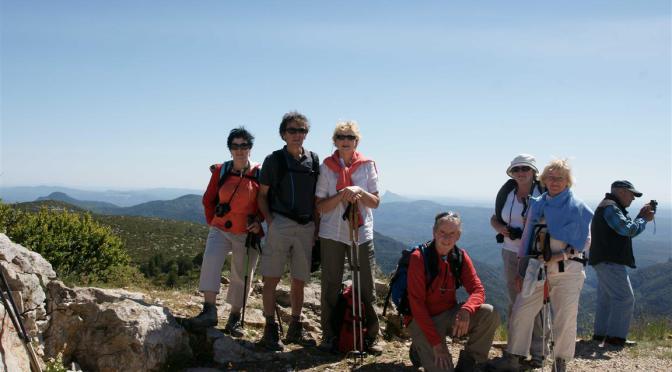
(288, 241)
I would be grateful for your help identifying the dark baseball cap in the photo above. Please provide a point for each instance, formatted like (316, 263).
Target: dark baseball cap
(623, 184)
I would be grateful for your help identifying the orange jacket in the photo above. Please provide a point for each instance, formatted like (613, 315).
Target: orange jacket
(243, 203)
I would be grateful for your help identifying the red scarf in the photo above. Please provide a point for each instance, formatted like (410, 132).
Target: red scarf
(345, 172)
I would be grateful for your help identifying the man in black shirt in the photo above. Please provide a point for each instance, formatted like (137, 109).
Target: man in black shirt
(287, 199)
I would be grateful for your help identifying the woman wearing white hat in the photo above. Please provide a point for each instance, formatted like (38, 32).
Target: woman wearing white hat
(511, 206)
(557, 231)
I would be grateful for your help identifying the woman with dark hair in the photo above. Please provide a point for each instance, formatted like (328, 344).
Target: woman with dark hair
(511, 207)
(557, 231)
(230, 203)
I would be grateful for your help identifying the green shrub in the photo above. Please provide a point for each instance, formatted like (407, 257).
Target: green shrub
(75, 245)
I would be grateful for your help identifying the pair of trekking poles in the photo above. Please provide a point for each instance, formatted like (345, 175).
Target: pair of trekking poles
(543, 240)
(15, 316)
(253, 241)
(352, 215)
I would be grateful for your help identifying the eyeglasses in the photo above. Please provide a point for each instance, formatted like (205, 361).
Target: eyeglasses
(240, 146)
(296, 130)
(520, 169)
(342, 137)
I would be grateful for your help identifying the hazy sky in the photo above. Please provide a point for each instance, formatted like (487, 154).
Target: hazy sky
(134, 94)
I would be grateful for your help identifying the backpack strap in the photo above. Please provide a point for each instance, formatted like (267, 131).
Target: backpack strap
(224, 172)
(503, 192)
(430, 257)
(456, 259)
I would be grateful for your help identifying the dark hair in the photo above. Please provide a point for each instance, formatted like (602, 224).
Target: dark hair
(293, 117)
(240, 132)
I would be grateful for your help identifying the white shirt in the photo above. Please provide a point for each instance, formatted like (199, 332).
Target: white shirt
(332, 225)
(512, 215)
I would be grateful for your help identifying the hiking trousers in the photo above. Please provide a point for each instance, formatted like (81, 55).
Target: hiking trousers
(565, 288)
(333, 254)
(482, 326)
(217, 247)
(537, 346)
(615, 300)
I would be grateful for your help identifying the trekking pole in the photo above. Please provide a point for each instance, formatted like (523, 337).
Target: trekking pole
(245, 292)
(547, 318)
(356, 280)
(14, 315)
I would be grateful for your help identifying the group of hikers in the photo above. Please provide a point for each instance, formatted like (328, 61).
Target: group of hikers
(545, 232)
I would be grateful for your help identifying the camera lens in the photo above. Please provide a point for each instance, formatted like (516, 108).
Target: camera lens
(228, 224)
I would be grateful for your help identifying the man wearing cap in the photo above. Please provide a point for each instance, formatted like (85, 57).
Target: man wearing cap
(612, 231)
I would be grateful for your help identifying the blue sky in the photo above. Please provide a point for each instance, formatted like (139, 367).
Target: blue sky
(135, 94)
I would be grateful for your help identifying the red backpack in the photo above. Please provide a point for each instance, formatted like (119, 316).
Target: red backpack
(343, 320)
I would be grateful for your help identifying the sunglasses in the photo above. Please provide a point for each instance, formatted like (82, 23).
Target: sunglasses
(240, 146)
(520, 169)
(296, 130)
(342, 137)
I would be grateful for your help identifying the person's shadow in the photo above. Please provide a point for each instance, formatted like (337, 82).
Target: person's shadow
(591, 350)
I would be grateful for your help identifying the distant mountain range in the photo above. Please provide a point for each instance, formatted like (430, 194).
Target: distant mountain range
(184, 208)
(122, 198)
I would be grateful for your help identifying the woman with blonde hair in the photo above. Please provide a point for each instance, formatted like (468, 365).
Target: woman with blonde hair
(346, 178)
(556, 233)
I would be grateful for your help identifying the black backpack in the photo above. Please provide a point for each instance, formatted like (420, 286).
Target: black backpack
(399, 281)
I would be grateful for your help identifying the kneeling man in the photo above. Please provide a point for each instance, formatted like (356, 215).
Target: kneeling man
(434, 308)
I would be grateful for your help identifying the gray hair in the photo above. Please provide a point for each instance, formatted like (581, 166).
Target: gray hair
(447, 216)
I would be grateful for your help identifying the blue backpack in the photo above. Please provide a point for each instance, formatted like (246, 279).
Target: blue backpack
(399, 282)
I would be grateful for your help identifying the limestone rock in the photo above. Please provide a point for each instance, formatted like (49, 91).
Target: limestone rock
(27, 274)
(15, 357)
(111, 330)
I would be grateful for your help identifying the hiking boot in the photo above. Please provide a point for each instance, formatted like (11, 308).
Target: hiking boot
(465, 363)
(371, 346)
(297, 335)
(560, 365)
(207, 318)
(233, 326)
(271, 339)
(329, 345)
(598, 338)
(414, 357)
(505, 363)
(619, 342)
(537, 361)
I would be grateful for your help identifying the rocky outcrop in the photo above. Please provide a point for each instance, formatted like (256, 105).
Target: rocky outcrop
(27, 274)
(104, 330)
(100, 329)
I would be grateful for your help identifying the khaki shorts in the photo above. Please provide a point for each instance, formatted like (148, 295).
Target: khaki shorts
(288, 240)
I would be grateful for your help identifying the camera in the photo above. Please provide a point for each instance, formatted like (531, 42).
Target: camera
(514, 234)
(222, 209)
(654, 205)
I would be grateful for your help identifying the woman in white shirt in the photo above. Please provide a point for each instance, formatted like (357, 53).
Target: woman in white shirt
(511, 206)
(346, 177)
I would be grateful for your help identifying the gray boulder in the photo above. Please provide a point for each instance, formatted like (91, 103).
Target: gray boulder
(111, 330)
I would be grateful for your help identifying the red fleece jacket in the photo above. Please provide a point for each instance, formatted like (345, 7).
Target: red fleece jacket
(426, 303)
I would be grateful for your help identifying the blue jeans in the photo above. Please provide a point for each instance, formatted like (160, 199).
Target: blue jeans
(615, 300)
